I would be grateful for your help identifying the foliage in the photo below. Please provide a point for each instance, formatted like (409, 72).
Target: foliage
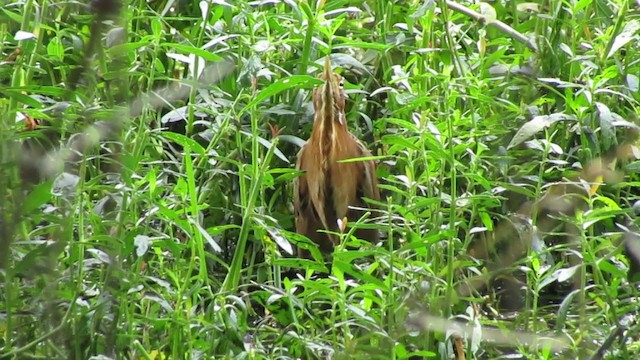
(146, 168)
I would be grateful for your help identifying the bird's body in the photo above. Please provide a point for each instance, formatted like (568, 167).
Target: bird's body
(328, 187)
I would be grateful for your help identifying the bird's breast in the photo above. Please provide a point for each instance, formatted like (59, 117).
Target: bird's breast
(343, 179)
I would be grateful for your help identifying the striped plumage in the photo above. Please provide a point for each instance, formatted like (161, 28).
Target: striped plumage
(326, 189)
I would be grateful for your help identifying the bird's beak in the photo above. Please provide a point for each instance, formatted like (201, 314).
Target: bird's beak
(327, 68)
(328, 96)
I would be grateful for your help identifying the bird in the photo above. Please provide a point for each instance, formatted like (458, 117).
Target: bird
(327, 188)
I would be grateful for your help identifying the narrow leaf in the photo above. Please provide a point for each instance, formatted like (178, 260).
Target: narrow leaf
(626, 35)
(209, 56)
(536, 125)
(185, 142)
(606, 124)
(281, 85)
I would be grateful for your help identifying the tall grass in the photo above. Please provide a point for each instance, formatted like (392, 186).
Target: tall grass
(148, 213)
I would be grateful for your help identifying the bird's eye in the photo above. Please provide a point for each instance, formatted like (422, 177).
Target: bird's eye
(341, 84)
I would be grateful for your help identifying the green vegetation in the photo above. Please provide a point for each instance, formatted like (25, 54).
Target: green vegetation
(146, 170)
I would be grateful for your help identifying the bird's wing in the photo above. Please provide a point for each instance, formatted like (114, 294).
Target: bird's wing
(308, 222)
(366, 186)
(317, 187)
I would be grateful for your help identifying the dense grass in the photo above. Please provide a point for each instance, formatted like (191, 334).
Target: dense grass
(146, 169)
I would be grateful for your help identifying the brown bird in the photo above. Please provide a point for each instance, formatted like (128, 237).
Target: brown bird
(326, 189)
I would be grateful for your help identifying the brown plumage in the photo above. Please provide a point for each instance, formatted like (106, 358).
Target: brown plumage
(326, 189)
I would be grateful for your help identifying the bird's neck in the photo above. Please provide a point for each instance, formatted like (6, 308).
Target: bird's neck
(329, 125)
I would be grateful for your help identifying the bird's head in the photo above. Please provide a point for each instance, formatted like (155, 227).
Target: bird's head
(329, 98)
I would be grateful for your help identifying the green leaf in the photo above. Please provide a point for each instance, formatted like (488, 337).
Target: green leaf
(40, 195)
(185, 142)
(22, 98)
(303, 242)
(398, 140)
(350, 44)
(128, 48)
(423, 9)
(606, 125)
(488, 12)
(269, 144)
(365, 158)
(17, 18)
(281, 85)
(40, 90)
(535, 125)
(296, 263)
(55, 49)
(187, 49)
(350, 269)
(626, 35)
